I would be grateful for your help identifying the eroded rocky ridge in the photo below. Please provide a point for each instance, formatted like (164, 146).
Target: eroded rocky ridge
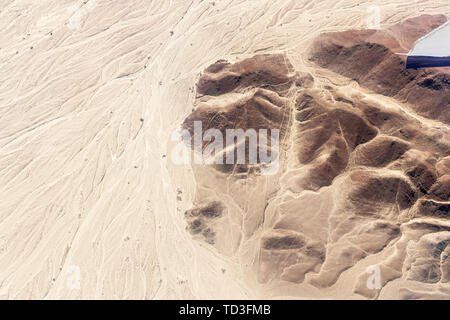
(361, 182)
(371, 57)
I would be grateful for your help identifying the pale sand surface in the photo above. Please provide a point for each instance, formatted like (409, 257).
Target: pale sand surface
(84, 182)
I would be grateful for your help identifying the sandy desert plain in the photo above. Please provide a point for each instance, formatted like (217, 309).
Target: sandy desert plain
(93, 205)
